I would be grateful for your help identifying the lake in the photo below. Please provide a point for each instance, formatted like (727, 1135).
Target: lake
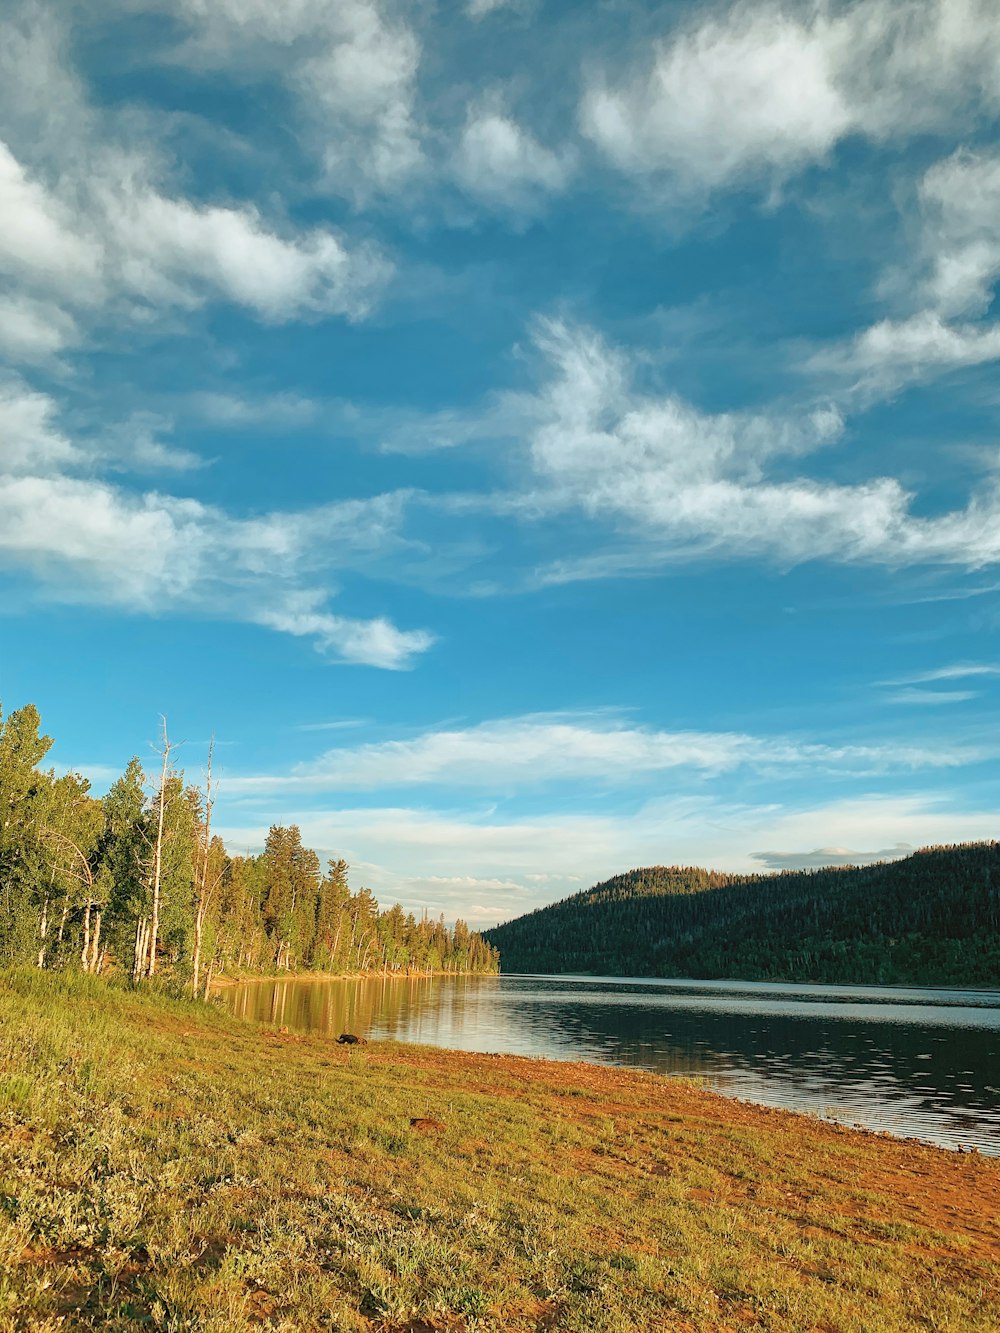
(916, 1062)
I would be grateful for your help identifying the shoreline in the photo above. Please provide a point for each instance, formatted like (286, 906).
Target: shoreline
(249, 1177)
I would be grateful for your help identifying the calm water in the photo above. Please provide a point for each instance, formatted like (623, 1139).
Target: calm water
(916, 1062)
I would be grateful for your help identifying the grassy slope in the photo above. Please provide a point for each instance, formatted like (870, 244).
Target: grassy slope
(164, 1166)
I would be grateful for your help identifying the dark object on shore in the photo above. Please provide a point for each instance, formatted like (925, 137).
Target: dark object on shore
(349, 1039)
(427, 1125)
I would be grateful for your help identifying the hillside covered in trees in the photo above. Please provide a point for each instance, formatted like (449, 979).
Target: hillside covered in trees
(137, 884)
(933, 918)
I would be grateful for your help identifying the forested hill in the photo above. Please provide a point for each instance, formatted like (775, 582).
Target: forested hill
(933, 918)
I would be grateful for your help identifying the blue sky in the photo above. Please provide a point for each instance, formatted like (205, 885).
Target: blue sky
(536, 439)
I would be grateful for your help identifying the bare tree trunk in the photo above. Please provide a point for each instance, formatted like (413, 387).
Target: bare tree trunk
(336, 940)
(199, 919)
(141, 939)
(154, 925)
(43, 929)
(208, 977)
(202, 903)
(95, 942)
(62, 923)
(85, 956)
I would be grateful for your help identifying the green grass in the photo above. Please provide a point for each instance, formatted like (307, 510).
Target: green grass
(163, 1166)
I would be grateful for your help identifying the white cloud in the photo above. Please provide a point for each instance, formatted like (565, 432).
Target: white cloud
(177, 253)
(288, 410)
(88, 541)
(362, 90)
(477, 9)
(96, 227)
(753, 91)
(364, 642)
(138, 444)
(33, 330)
(352, 66)
(512, 753)
(137, 242)
(764, 90)
(40, 237)
(823, 857)
(958, 671)
(960, 199)
(30, 440)
(895, 352)
(949, 275)
(932, 698)
(392, 848)
(683, 483)
(97, 542)
(500, 162)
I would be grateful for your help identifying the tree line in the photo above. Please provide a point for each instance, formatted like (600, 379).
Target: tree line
(932, 918)
(137, 883)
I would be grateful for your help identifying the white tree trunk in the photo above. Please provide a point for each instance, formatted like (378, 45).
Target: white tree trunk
(154, 925)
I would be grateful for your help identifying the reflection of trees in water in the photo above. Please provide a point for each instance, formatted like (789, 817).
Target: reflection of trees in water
(410, 1009)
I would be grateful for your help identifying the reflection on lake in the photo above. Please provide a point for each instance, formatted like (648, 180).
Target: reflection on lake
(917, 1062)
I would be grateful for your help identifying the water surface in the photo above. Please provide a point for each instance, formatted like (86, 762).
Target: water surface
(917, 1062)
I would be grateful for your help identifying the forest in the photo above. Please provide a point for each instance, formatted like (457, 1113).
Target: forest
(930, 919)
(137, 884)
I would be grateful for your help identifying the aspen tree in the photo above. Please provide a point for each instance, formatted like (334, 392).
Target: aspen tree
(202, 889)
(161, 804)
(78, 868)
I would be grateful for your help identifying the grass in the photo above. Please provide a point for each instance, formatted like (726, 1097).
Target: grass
(164, 1166)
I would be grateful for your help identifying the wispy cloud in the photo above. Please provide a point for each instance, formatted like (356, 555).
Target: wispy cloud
(830, 856)
(943, 288)
(90, 541)
(286, 410)
(342, 724)
(514, 753)
(351, 69)
(956, 671)
(932, 698)
(97, 228)
(500, 162)
(575, 850)
(680, 483)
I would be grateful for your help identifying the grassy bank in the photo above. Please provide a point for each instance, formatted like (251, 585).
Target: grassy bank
(164, 1166)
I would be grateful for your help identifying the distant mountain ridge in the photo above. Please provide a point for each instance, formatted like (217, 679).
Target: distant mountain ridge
(932, 918)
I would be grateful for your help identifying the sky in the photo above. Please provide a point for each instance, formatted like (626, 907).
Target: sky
(535, 439)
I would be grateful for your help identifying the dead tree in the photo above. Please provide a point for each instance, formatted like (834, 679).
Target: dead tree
(203, 889)
(154, 921)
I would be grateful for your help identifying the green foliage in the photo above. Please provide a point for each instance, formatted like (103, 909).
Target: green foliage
(76, 879)
(931, 919)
